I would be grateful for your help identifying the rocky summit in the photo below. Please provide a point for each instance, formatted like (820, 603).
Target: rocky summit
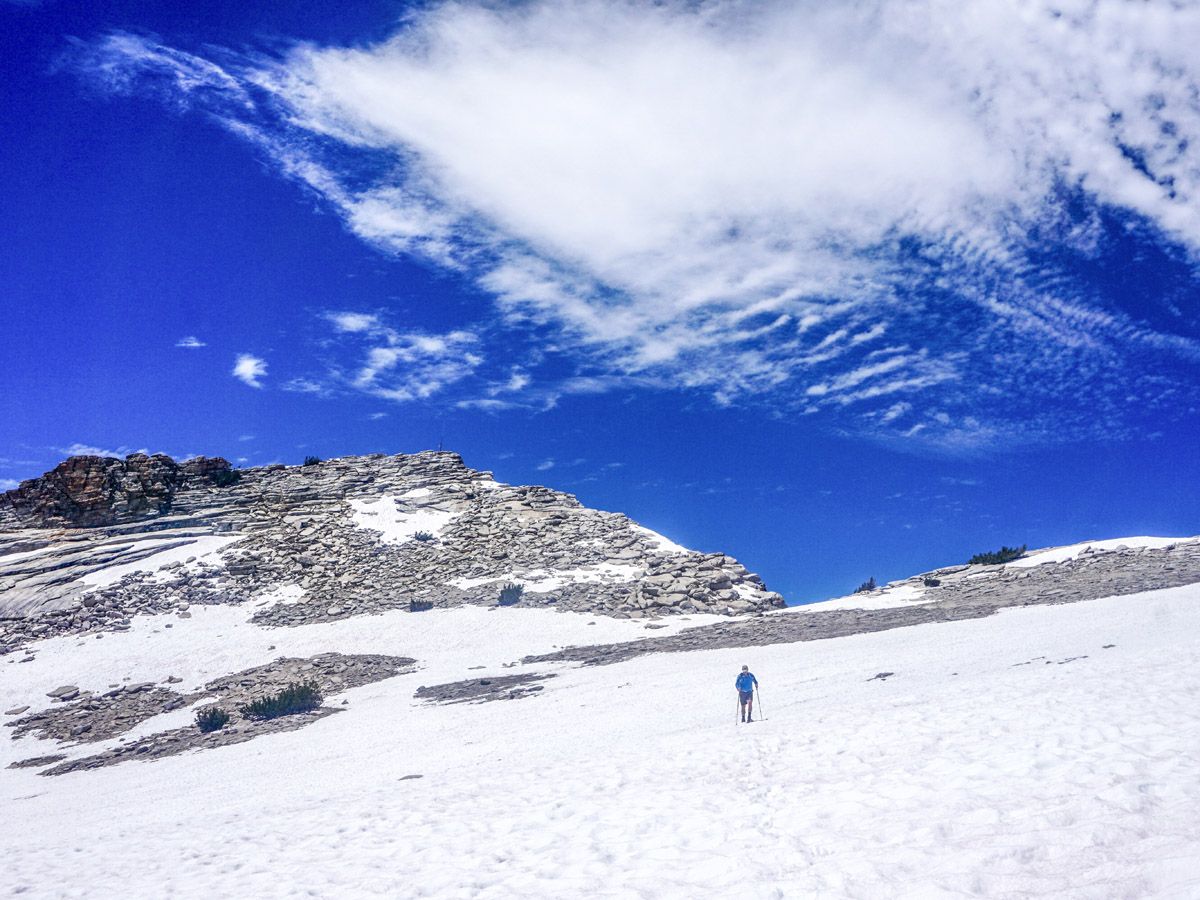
(98, 490)
(98, 540)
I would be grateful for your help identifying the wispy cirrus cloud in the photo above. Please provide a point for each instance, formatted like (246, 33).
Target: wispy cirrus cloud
(408, 365)
(250, 369)
(885, 214)
(78, 449)
(191, 342)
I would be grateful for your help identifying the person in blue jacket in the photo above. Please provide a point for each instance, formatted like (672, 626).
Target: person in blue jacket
(746, 683)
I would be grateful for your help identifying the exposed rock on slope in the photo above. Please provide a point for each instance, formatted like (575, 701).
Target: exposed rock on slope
(944, 595)
(320, 542)
(88, 491)
(98, 718)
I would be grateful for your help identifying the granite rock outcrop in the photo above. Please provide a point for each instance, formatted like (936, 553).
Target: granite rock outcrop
(94, 491)
(96, 542)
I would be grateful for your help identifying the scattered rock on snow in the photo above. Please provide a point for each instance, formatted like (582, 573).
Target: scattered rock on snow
(479, 690)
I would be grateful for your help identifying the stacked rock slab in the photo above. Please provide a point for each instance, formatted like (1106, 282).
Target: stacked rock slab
(89, 491)
(344, 537)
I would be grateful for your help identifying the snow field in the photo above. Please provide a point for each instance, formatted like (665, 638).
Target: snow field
(1010, 756)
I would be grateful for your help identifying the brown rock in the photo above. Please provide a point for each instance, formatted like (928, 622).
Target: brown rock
(88, 491)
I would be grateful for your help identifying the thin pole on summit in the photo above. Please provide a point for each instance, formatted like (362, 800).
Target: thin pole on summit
(758, 696)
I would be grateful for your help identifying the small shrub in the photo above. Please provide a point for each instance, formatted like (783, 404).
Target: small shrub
(312, 460)
(931, 582)
(868, 585)
(226, 477)
(423, 536)
(511, 594)
(297, 697)
(998, 557)
(211, 718)
(420, 605)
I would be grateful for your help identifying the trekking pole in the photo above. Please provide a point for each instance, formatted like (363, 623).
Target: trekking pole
(762, 713)
(738, 720)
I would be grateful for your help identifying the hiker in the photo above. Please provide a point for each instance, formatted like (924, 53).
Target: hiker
(746, 683)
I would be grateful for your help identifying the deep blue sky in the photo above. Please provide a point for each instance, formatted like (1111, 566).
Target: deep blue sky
(134, 216)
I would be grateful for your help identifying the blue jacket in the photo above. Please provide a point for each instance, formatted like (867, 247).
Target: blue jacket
(746, 682)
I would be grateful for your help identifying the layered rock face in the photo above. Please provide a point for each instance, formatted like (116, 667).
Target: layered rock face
(90, 491)
(344, 537)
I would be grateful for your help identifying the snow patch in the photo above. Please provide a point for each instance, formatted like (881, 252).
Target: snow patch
(541, 581)
(396, 524)
(748, 592)
(1073, 551)
(888, 598)
(284, 594)
(659, 542)
(6, 558)
(206, 549)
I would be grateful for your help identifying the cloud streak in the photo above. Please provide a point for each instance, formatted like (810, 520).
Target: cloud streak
(873, 212)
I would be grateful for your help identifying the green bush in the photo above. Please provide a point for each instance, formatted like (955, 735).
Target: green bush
(511, 594)
(211, 718)
(312, 460)
(997, 557)
(868, 585)
(297, 697)
(226, 477)
(423, 536)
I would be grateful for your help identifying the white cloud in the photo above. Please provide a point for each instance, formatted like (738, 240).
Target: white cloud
(408, 366)
(517, 382)
(250, 369)
(376, 416)
(545, 465)
(747, 198)
(352, 322)
(78, 449)
(486, 404)
(8, 484)
(191, 342)
(306, 386)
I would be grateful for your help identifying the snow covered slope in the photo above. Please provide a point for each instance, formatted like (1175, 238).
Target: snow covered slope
(1000, 731)
(1047, 751)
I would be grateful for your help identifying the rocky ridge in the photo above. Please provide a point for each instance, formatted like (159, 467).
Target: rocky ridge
(344, 537)
(942, 595)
